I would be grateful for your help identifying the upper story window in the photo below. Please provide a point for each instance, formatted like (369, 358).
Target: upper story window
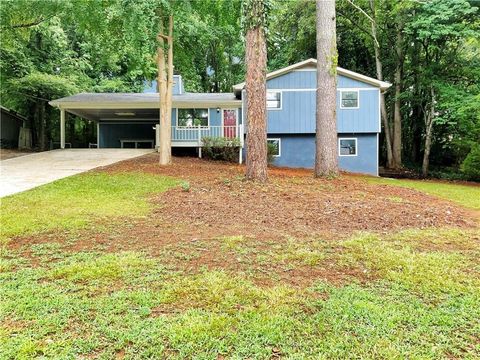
(349, 99)
(274, 100)
(347, 146)
(192, 117)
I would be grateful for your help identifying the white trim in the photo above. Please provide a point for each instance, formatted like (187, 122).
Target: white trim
(350, 107)
(357, 89)
(279, 145)
(379, 113)
(62, 128)
(281, 99)
(356, 146)
(313, 89)
(193, 126)
(313, 62)
(236, 120)
(98, 135)
(306, 69)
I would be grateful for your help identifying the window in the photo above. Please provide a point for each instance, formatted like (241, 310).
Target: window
(349, 99)
(274, 144)
(274, 100)
(192, 117)
(347, 147)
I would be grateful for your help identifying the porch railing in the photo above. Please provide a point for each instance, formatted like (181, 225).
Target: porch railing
(193, 134)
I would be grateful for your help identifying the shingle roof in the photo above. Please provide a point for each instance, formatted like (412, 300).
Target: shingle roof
(149, 100)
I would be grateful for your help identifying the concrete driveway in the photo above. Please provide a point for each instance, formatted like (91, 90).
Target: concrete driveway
(29, 171)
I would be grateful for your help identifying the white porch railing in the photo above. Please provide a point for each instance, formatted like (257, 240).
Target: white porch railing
(192, 135)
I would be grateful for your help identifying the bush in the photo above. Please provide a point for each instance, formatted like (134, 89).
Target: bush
(471, 164)
(221, 148)
(271, 151)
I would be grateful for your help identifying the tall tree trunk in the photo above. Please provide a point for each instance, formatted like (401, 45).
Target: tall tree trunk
(42, 131)
(165, 84)
(326, 152)
(379, 68)
(256, 59)
(397, 111)
(429, 119)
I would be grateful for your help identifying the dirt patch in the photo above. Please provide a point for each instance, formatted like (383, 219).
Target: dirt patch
(187, 224)
(12, 153)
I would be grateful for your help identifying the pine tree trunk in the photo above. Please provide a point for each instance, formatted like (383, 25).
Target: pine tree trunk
(165, 92)
(429, 118)
(397, 113)
(256, 60)
(326, 151)
(379, 68)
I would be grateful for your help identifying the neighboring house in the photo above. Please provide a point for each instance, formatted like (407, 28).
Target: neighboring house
(11, 122)
(129, 120)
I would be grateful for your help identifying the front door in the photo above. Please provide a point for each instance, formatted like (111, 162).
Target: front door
(229, 123)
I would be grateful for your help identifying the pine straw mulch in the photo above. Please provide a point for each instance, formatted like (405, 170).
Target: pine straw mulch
(188, 225)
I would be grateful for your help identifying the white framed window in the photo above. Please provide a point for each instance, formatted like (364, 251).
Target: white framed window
(349, 99)
(192, 117)
(276, 144)
(347, 147)
(274, 100)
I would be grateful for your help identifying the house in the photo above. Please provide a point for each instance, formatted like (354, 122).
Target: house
(130, 120)
(13, 131)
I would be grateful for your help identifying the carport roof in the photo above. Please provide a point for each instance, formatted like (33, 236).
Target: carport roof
(143, 100)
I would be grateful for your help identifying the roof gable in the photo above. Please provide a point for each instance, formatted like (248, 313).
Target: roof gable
(312, 64)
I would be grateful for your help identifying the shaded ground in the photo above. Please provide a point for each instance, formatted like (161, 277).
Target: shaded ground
(11, 153)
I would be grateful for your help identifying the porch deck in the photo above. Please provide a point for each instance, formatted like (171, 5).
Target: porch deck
(191, 136)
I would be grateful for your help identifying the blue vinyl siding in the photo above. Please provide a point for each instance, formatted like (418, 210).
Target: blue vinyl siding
(151, 86)
(365, 118)
(297, 115)
(307, 80)
(298, 151)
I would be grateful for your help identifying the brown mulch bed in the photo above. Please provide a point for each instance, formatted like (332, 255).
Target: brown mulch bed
(220, 202)
(186, 227)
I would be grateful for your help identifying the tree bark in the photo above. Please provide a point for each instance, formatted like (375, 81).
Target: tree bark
(379, 69)
(397, 113)
(165, 81)
(326, 151)
(429, 118)
(256, 59)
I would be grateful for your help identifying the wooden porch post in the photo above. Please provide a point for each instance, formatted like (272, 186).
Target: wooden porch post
(62, 129)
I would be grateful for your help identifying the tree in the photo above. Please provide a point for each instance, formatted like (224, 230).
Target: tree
(326, 153)
(165, 88)
(255, 14)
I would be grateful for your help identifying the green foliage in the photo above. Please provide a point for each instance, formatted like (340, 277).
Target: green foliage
(221, 148)
(75, 201)
(471, 164)
(255, 14)
(271, 152)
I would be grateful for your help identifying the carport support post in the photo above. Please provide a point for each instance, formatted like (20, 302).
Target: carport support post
(62, 129)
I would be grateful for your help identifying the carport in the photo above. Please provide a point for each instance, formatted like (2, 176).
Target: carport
(130, 119)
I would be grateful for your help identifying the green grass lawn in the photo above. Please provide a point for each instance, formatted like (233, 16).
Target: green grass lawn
(465, 195)
(411, 294)
(75, 201)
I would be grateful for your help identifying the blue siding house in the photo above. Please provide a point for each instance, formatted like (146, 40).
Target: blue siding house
(131, 120)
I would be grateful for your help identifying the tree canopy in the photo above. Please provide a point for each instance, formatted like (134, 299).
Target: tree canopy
(425, 48)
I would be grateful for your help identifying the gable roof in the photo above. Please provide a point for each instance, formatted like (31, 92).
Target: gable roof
(309, 63)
